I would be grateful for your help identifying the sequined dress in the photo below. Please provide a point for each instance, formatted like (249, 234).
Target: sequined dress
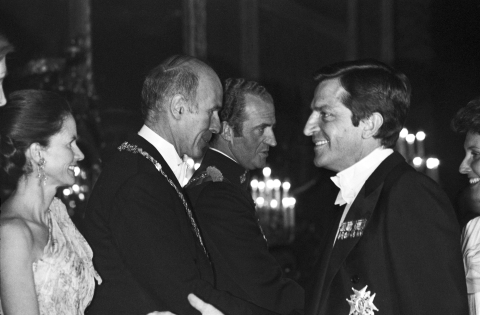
(64, 275)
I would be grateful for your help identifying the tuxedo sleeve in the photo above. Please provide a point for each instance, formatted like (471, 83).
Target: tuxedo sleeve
(422, 239)
(148, 233)
(237, 247)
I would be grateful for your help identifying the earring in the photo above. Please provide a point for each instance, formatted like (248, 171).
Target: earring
(41, 171)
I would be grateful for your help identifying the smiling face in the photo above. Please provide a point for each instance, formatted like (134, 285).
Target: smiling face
(471, 163)
(338, 143)
(62, 155)
(3, 73)
(251, 149)
(198, 126)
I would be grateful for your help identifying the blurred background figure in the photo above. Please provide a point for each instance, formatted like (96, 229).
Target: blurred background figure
(467, 121)
(45, 263)
(5, 48)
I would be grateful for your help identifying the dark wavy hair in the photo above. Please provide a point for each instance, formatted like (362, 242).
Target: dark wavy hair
(233, 110)
(371, 87)
(30, 116)
(467, 118)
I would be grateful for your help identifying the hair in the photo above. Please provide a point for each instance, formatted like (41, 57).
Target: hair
(233, 110)
(30, 116)
(467, 118)
(372, 86)
(178, 74)
(5, 46)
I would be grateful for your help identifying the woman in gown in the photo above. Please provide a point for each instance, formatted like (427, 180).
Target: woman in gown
(45, 263)
(467, 121)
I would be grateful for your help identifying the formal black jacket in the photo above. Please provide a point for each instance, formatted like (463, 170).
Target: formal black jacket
(143, 242)
(408, 255)
(238, 250)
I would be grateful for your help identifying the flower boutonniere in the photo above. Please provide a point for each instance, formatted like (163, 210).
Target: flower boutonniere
(215, 174)
(361, 303)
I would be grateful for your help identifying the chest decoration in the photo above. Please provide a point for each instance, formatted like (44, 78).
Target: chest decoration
(351, 229)
(361, 302)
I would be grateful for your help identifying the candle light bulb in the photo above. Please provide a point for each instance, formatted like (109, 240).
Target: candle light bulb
(260, 201)
(276, 183)
(410, 138)
(420, 136)
(404, 133)
(417, 161)
(267, 171)
(254, 184)
(261, 185)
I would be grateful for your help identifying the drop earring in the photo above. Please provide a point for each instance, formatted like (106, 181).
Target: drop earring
(41, 171)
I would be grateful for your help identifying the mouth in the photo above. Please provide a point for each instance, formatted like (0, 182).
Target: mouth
(319, 143)
(473, 181)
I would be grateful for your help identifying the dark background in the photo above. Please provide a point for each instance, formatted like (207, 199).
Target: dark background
(436, 43)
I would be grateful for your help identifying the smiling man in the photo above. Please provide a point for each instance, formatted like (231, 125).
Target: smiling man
(393, 244)
(148, 248)
(225, 209)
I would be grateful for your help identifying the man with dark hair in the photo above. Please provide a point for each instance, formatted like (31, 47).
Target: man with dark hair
(147, 246)
(5, 48)
(225, 209)
(394, 244)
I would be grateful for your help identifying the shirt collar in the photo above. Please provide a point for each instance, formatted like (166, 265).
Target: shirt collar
(351, 180)
(165, 148)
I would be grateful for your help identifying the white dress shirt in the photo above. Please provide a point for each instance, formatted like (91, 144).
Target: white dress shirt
(168, 152)
(352, 179)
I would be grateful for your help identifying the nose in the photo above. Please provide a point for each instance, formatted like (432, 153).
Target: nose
(464, 166)
(310, 126)
(215, 123)
(78, 153)
(3, 100)
(270, 138)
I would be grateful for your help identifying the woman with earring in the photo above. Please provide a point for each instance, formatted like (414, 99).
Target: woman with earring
(45, 263)
(467, 121)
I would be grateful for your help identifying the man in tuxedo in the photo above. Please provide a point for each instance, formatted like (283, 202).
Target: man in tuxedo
(394, 243)
(225, 209)
(146, 243)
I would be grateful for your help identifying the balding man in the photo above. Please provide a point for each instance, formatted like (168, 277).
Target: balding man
(146, 242)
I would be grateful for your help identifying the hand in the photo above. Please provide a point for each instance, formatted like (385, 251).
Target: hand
(204, 308)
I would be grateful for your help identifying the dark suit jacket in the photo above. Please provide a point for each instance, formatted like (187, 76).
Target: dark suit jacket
(239, 253)
(409, 254)
(143, 243)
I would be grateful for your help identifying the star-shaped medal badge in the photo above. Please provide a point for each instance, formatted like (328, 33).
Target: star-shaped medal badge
(361, 303)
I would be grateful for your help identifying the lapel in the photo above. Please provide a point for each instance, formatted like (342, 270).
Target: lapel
(362, 208)
(313, 302)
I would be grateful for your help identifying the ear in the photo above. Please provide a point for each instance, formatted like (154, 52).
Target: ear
(227, 131)
(371, 125)
(34, 153)
(178, 106)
